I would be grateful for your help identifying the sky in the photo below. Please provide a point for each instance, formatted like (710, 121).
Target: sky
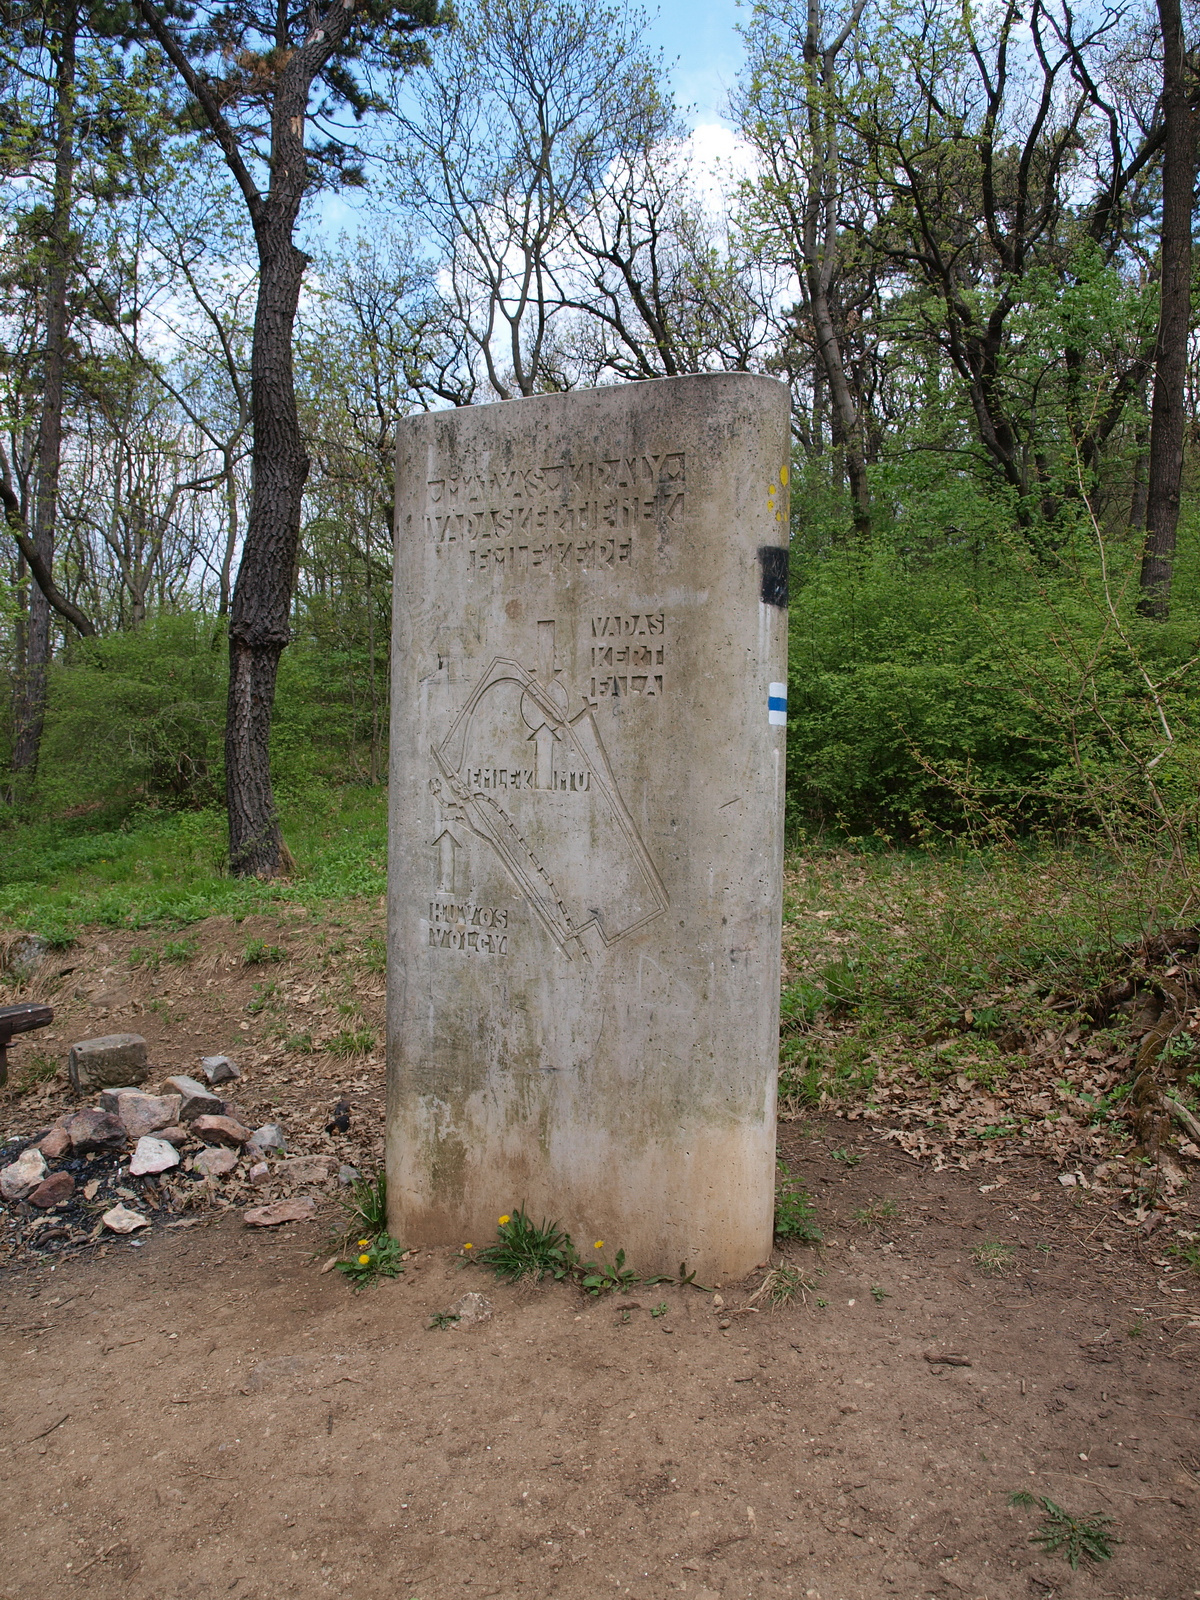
(701, 51)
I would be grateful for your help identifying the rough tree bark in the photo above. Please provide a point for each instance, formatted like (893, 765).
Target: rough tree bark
(1174, 316)
(31, 690)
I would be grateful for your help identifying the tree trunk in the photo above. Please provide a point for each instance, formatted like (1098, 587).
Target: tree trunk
(259, 616)
(31, 698)
(841, 399)
(1174, 315)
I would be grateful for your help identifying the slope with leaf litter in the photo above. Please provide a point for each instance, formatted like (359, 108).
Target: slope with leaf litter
(972, 1009)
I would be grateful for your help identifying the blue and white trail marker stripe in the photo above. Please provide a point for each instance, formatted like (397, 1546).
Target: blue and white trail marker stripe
(777, 705)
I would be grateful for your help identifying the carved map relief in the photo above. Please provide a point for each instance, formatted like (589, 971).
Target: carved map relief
(524, 769)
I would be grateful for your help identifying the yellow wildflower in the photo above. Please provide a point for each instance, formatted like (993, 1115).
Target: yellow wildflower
(364, 1261)
(599, 1245)
(364, 1244)
(502, 1220)
(468, 1247)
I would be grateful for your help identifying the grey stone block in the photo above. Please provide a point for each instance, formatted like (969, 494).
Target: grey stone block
(116, 1059)
(586, 817)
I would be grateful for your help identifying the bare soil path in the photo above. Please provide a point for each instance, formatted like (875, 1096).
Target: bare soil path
(203, 1414)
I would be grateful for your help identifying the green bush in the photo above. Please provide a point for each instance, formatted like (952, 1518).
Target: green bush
(930, 686)
(138, 715)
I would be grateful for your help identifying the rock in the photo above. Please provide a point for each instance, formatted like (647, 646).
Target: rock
(23, 956)
(220, 1130)
(95, 1130)
(176, 1134)
(347, 1175)
(195, 1099)
(218, 1069)
(215, 1162)
(21, 1177)
(266, 1139)
(59, 1186)
(118, 1058)
(152, 1155)
(145, 1113)
(260, 1172)
(107, 1099)
(299, 1210)
(470, 1309)
(122, 1220)
(305, 1169)
(56, 1143)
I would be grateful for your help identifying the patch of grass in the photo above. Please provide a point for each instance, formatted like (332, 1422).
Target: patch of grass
(179, 951)
(259, 953)
(302, 1043)
(1074, 1536)
(263, 996)
(144, 956)
(801, 1078)
(31, 1071)
(375, 954)
(847, 1158)
(795, 1213)
(444, 1319)
(166, 868)
(526, 1249)
(992, 1256)
(351, 1042)
(366, 1205)
(782, 1285)
(875, 1213)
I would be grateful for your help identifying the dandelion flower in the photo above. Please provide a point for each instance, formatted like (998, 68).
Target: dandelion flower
(468, 1247)
(364, 1244)
(364, 1261)
(599, 1245)
(502, 1220)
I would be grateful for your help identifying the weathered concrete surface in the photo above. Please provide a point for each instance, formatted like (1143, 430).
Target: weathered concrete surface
(586, 819)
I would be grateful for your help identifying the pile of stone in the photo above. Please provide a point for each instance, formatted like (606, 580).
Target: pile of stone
(183, 1125)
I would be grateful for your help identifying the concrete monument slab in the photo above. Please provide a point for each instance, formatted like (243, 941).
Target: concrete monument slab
(589, 698)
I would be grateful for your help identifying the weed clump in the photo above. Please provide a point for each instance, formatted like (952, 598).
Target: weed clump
(992, 1256)
(526, 1249)
(374, 1254)
(1074, 1536)
(351, 1042)
(795, 1213)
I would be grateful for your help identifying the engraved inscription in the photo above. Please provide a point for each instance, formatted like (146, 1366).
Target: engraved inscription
(626, 650)
(528, 558)
(552, 518)
(470, 928)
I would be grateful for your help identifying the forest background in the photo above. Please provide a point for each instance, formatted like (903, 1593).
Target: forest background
(944, 226)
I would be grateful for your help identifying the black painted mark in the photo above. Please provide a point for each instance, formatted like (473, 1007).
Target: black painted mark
(774, 561)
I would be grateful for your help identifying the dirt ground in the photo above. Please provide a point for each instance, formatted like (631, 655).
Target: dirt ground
(203, 1413)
